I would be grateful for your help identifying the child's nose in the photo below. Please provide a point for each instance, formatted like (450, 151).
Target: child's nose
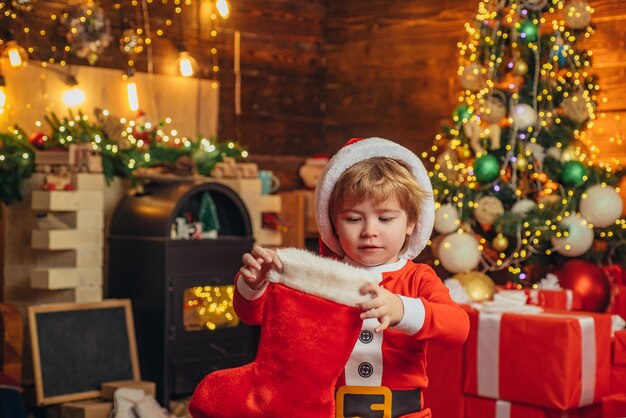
(369, 230)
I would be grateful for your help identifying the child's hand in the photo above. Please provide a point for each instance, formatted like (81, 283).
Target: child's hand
(257, 264)
(384, 305)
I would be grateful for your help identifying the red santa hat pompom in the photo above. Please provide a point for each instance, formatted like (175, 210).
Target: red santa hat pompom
(359, 149)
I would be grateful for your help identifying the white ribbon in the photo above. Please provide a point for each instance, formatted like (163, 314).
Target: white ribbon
(488, 355)
(503, 409)
(569, 299)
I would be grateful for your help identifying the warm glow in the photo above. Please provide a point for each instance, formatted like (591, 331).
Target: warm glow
(133, 98)
(222, 8)
(3, 99)
(14, 57)
(74, 97)
(185, 64)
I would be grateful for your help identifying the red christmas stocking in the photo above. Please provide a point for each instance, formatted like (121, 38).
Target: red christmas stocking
(305, 343)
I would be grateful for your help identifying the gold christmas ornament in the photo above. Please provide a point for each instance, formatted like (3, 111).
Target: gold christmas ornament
(478, 286)
(520, 67)
(521, 164)
(577, 107)
(473, 76)
(500, 242)
(578, 14)
(448, 162)
(488, 209)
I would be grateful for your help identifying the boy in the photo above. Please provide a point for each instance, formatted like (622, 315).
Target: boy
(375, 210)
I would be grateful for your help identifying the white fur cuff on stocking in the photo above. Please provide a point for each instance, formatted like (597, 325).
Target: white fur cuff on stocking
(324, 277)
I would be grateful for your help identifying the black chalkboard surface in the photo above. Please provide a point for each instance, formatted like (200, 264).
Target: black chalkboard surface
(77, 347)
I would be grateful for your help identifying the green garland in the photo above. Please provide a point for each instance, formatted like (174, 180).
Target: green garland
(16, 164)
(122, 154)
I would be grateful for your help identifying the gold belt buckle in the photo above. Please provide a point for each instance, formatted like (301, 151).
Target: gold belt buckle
(365, 390)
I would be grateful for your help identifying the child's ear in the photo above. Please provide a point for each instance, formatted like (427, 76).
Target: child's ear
(409, 228)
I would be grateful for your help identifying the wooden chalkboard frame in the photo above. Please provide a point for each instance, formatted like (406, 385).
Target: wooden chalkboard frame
(34, 311)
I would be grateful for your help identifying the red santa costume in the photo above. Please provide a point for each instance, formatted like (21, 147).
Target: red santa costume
(391, 364)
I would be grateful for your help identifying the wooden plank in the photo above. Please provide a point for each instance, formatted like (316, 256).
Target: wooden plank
(65, 239)
(54, 278)
(293, 212)
(67, 201)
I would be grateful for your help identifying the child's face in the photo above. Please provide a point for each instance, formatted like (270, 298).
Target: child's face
(372, 234)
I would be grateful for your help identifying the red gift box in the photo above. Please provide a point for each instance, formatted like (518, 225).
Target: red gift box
(477, 407)
(619, 349)
(444, 394)
(618, 305)
(614, 406)
(553, 359)
(565, 299)
(618, 379)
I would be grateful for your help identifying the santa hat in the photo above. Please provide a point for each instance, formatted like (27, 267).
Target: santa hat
(357, 150)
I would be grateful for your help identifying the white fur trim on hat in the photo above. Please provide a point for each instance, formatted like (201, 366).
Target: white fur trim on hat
(362, 150)
(324, 277)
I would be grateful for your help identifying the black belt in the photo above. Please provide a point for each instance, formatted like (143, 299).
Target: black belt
(360, 405)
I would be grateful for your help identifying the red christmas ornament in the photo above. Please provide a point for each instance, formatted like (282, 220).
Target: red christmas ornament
(589, 281)
(37, 139)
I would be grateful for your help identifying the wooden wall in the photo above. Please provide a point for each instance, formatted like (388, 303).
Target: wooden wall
(391, 69)
(316, 73)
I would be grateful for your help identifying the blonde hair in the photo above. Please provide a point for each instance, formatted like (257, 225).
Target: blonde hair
(378, 179)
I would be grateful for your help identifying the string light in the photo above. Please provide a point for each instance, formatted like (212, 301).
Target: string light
(3, 95)
(186, 64)
(223, 8)
(74, 96)
(16, 55)
(131, 90)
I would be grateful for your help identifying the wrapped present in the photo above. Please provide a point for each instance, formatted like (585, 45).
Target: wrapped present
(564, 299)
(618, 305)
(619, 349)
(550, 359)
(614, 406)
(444, 394)
(476, 407)
(618, 379)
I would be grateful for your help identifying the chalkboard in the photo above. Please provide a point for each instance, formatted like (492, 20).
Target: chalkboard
(77, 347)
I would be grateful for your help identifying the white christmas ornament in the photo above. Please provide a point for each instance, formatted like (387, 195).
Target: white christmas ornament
(537, 151)
(534, 4)
(488, 209)
(579, 237)
(522, 207)
(577, 14)
(447, 219)
(459, 252)
(524, 116)
(554, 152)
(601, 206)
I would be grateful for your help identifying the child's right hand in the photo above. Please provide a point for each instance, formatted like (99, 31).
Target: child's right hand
(256, 265)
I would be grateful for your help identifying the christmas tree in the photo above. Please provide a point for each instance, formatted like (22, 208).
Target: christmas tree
(516, 189)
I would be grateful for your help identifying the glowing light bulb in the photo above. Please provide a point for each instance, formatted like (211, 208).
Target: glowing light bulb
(133, 98)
(3, 99)
(73, 97)
(186, 64)
(16, 54)
(222, 8)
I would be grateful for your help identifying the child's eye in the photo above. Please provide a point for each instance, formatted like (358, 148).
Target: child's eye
(385, 219)
(352, 219)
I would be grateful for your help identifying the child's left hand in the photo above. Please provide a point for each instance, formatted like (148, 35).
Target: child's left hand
(384, 305)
